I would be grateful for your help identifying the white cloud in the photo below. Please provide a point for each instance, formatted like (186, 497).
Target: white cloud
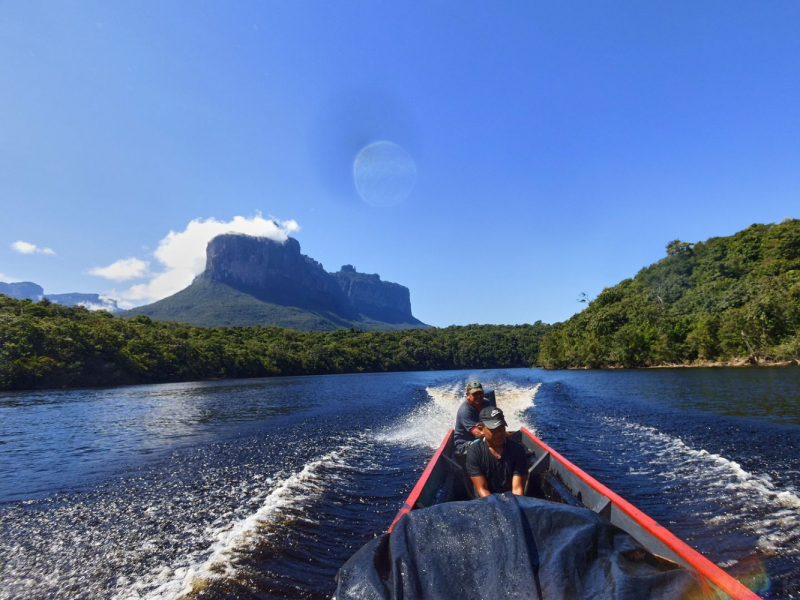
(23, 247)
(26, 248)
(182, 255)
(94, 307)
(122, 270)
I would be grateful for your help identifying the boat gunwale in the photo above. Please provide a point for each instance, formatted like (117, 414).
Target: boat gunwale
(693, 559)
(412, 498)
(713, 573)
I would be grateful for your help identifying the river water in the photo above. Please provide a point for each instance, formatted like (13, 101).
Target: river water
(235, 489)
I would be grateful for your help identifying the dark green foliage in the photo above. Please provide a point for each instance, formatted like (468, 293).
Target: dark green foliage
(724, 299)
(46, 345)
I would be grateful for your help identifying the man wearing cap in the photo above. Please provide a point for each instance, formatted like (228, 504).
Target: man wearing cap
(497, 463)
(466, 429)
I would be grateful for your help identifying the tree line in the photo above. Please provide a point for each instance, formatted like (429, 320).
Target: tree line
(46, 345)
(724, 299)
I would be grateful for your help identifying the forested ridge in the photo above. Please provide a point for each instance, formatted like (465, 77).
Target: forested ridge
(46, 345)
(728, 299)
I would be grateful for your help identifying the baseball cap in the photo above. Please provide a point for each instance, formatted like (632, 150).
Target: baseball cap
(492, 417)
(474, 385)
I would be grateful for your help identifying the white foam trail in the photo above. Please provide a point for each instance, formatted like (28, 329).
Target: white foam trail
(778, 530)
(217, 560)
(427, 424)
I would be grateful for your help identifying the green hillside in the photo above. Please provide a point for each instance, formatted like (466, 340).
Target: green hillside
(724, 299)
(209, 303)
(45, 345)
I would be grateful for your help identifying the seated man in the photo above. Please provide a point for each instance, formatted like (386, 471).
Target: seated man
(466, 429)
(496, 464)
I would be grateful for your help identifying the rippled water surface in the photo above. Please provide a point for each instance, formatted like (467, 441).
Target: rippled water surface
(234, 489)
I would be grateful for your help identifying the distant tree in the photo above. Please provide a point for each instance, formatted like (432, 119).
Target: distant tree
(677, 247)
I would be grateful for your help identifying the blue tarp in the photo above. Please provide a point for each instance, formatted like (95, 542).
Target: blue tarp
(509, 546)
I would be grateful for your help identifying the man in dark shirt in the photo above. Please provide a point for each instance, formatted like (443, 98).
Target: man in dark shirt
(497, 463)
(466, 429)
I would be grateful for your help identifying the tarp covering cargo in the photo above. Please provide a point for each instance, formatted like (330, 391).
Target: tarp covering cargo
(509, 546)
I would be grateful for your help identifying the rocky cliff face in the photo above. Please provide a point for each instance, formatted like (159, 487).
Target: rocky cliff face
(368, 295)
(272, 272)
(278, 272)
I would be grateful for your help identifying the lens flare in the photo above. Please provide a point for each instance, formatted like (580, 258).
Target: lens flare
(384, 174)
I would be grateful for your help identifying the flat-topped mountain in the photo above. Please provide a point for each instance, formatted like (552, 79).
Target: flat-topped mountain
(33, 291)
(22, 290)
(258, 281)
(90, 301)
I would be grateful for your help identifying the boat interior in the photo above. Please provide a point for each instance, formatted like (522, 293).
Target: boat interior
(554, 478)
(550, 477)
(449, 481)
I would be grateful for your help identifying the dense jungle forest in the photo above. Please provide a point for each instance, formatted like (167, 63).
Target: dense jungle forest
(726, 299)
(45, 345)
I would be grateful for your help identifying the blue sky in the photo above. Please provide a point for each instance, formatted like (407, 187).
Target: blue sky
(558, 146)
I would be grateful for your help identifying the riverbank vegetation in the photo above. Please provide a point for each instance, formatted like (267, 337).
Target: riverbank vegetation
(725, 300)
(45, 345)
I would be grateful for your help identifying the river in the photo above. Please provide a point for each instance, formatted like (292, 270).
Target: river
(266, 486)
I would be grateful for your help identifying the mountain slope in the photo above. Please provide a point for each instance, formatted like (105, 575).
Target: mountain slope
(214, 304)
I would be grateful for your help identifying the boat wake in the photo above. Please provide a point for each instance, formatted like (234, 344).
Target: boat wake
(227, 539)
(427, 424)
(776, 524)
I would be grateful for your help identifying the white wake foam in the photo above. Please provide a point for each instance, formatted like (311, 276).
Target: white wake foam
(777, 522)
(217, 560)
(427, 424)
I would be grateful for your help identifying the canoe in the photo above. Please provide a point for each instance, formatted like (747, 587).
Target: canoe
(552, 477)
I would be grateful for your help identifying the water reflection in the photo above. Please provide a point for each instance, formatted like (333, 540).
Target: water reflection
(58, 438)
(763, 393)
(64, 439)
